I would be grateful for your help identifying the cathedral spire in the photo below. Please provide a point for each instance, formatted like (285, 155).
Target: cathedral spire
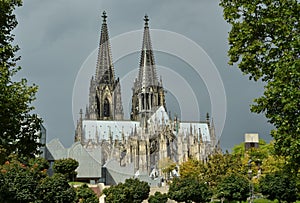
(105, 92)
(147, 71)
(104, 68)
(148, 93)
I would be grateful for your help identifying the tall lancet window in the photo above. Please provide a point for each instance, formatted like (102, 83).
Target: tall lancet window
(143, 101)
(106, 108)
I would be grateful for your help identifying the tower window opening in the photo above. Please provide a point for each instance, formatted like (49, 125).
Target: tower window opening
(158, 102)
(147, 101)
(143, 101)
(98, 105)
(106, 108)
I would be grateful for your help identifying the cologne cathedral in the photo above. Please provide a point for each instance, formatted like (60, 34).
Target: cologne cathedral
(151, 135)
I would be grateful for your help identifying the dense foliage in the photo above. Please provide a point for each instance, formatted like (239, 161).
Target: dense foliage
(66, 167)
(19, 182)
(22, 181)
(158, 198)
(253, 164)
(19, 129)
(212, 172)
(56, 189)
(234, 187)
(84, 194)
(264, 41)
(280, 186)
(30, 182)
(189, 190)
(132, 191)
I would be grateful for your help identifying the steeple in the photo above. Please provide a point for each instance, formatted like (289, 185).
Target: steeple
(147, 71)
(104, 69)
(148, 93)
(105, 91)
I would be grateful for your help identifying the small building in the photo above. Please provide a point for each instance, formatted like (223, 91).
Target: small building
(251, 140)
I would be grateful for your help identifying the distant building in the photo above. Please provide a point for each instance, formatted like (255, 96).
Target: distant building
(251, 140)
(134, 147)
(42, 141)
(89, 169)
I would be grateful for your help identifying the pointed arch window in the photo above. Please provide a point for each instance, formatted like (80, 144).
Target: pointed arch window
(147, 101)
(106, 108)
(143, 101)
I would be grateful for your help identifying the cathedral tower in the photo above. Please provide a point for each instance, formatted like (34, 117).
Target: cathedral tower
(148, 93)
(105, 92)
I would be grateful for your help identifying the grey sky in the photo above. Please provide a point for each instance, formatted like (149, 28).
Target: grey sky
(57, 36)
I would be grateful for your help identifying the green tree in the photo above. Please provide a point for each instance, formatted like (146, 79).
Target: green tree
(264, 40)
(158, 198)
(18, 127)
(280, 186)
(193, 168)
(66, 167)
(39, 164)
(132, 191)
(84, 194)
(19, 182)
(116, 193)
(234, 187)
(139, 190)
(219, 165)
(56, 189)
(189, 190)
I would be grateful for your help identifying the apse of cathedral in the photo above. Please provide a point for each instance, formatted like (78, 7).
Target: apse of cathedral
(151, 134)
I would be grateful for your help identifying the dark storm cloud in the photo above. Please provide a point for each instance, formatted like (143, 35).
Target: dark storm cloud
(57, 36)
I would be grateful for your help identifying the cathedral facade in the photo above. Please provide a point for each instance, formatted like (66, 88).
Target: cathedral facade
(150, 135)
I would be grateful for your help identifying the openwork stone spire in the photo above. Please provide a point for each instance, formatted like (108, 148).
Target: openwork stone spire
(104, 67)
(148, 93)
(105, 92)
(147, 71)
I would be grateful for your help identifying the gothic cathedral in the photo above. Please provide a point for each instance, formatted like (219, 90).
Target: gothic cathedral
(150, 135)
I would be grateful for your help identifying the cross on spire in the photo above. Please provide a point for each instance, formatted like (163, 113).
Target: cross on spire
(146, 19)
(104, 16)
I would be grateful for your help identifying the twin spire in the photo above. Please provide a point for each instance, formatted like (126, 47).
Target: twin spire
(147, 75)
(104, 67)
(147, 71)
(148, 93)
